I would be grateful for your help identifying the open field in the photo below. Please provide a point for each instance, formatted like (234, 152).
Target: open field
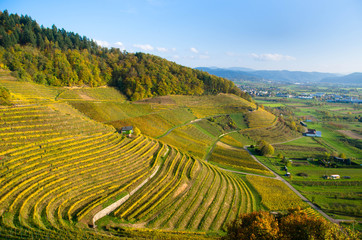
(336, 142)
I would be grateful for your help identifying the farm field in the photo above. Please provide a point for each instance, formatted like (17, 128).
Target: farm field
(336, 142)
(340, 198)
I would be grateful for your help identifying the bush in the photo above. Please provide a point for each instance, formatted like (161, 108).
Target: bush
(267, 150)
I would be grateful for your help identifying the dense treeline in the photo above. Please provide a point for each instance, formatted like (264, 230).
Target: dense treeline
(60, 58)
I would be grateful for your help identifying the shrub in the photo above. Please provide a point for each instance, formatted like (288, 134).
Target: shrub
(267, 150)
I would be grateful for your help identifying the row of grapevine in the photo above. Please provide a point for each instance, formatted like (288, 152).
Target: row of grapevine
(187, 194)
(58, 168)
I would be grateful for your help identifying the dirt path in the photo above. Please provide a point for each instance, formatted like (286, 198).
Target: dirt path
(208, 154)
(170, 130)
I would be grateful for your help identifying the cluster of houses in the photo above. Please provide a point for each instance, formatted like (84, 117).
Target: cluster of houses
(262, 92)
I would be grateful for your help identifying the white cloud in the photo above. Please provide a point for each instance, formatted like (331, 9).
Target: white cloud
(102, 43)
(194, 50)
(161, 49)
(119, 45)
(145, 47)
(272, 57)
(204, 56)
(176, 56)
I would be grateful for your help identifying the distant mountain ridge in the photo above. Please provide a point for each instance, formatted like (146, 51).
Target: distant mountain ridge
(353, 78)
(271, 75)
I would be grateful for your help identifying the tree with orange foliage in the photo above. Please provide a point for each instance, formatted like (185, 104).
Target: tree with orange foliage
(256, 225)
(298, 225)
(295, 225)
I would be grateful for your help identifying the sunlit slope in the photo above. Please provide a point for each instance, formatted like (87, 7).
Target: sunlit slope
(25, 92)
(59, 168)
(188, 194)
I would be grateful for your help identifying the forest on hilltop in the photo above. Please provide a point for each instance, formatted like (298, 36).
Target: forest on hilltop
(56, 57)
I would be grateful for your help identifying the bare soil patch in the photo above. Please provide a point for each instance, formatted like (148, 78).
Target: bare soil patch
(226, 146)
(85, 97)
(165, 100)
(180, 189)
(351, 134)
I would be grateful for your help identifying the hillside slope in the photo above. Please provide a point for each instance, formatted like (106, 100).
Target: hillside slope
(60, 168)
(60, 58)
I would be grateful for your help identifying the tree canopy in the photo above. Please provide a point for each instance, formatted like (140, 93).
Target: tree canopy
(56, 57)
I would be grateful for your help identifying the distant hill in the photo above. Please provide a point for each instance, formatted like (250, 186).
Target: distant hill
(272, 75)
(353, 78)
(293, 76)
(232, 74)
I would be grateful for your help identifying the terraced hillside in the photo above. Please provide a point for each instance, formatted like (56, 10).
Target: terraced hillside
(189, 195)
(60, 169)
(57, 169)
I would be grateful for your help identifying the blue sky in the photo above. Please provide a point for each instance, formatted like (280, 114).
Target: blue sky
(305, 35)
